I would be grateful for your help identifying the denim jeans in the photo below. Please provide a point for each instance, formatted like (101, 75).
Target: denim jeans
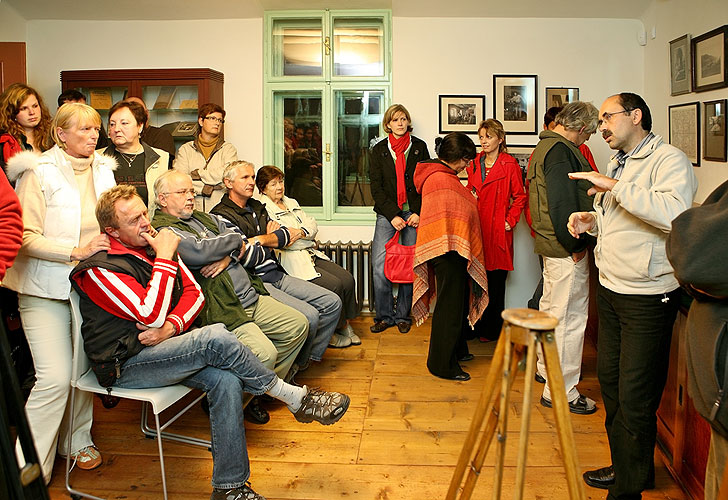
(383, 299)
(321, 307)
(213, 360)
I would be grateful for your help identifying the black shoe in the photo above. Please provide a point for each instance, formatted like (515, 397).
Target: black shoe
(460, 377)
(538, 378)
(379, 326)
(466, 357)
(245, 492)
(580, 406)
(404, 327)
(600, 478)
(256, 414)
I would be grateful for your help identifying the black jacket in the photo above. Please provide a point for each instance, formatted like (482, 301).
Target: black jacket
(383, 177)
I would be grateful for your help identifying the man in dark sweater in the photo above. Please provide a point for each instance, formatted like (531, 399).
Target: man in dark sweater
(552, 199)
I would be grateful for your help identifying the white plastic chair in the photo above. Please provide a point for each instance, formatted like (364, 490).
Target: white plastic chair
(161, 398)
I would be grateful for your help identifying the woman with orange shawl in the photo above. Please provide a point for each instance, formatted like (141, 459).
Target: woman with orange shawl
(449, 251)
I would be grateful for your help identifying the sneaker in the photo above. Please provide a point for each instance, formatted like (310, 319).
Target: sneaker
(580, 406)
(245, 492)
(322, 406)
(339, 341)
(87, 458)
(348, 331)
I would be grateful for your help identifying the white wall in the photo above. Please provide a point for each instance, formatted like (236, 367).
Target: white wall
(459, 56)
(12, 24)
(672, 19)
(233, 47)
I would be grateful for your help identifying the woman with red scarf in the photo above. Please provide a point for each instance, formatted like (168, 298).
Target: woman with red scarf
(397, 205)
(494, 177)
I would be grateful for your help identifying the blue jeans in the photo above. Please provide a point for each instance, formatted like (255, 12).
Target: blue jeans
(383, 299)
(213, 360)
(321, 307)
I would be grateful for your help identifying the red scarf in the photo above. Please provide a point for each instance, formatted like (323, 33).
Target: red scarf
(399, 146)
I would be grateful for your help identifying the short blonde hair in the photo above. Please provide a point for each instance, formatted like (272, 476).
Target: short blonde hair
(230, 168)
(389, 114)
(106, 206)
(494, 127)
(73, 114)
(577, 115)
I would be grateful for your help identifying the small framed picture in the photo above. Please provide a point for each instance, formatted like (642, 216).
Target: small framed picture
(522, 153)
(461, 113)
(558, 96)
(514, 102)
(680, 66)
(684, 125)
(714, 136)
(708, 56)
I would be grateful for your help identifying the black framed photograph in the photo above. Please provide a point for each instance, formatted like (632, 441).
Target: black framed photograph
(708, 57)
(684, 126)
(559, 96)
(461, 113)
(714, 136)
(522, 153)
(681, 75)
(514, 103)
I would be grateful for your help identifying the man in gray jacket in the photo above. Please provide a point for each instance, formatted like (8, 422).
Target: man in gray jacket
(648, 184)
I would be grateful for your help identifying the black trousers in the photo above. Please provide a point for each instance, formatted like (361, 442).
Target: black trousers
(632, 361)
(447, 342)
(490, 324)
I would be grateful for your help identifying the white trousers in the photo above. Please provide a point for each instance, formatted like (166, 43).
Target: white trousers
(566, 297)
(47, 326)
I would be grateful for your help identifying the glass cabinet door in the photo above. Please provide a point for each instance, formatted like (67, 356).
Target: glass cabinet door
(102, 98)
(174, 108)
(358, 115)
(358, 47)
(297, 46)
(298, 144)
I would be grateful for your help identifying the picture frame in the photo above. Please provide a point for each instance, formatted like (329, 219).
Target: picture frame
(461, 113)
(708, 52)
(684, 129)
(714, 133)
(515, 103)
(681, 74)
(522, 153)
(558, 96)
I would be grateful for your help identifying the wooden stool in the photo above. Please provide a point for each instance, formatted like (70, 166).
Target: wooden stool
(522, 330)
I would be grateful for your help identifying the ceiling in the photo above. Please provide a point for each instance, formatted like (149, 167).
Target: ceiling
(114, 10)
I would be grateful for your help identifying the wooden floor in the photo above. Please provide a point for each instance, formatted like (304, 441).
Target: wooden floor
(399, 440)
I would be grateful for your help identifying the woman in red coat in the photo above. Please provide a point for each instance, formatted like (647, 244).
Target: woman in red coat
(494, 177)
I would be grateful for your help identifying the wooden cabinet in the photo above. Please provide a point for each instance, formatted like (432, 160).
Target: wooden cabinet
(683, 436)
(171, 95)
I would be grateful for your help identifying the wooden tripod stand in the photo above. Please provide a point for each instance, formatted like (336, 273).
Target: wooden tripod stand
(522, 330)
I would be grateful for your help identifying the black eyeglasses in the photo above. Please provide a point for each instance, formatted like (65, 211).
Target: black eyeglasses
(214, 118)
(608, 116)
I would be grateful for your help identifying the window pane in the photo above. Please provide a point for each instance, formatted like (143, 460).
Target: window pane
(358, 47)
(298, 141)
(297, 47)
(358, 115)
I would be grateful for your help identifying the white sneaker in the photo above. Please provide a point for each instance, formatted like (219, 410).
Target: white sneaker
(338, 340)
(348, 331)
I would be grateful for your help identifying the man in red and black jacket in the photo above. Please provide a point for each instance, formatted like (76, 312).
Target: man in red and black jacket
(139, 300)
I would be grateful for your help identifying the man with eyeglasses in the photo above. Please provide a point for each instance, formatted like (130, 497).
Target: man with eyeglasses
(552, 198)
(205, 157)
(648, 184)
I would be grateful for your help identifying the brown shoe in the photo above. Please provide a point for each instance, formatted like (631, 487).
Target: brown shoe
(404, 327)
(87, 458)
(380, 326)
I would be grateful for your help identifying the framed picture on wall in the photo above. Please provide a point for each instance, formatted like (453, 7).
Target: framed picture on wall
(680, 66)
(558, 96)
(461, 113)
(708, 55)
(714, 136)
(514, 102)
(522, 153)
(684, 125)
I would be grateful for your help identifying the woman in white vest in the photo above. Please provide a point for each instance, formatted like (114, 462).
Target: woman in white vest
(58, 191)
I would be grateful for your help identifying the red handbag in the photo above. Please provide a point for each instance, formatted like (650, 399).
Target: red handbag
(399, 261)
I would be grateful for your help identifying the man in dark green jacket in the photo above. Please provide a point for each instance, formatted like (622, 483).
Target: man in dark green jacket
(552, 199)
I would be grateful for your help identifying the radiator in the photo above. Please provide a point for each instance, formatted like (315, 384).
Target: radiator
(357, 259)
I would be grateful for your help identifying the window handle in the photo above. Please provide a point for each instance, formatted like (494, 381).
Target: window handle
(328, 152)
(327, 45)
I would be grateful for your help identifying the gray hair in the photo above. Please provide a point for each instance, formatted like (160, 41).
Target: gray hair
(161, 185)
(577, 115)
(231, 168)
